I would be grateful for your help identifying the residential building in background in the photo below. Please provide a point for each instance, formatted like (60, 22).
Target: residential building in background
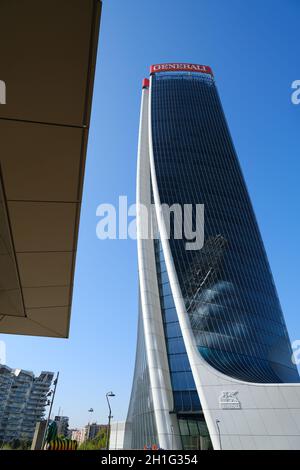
(88, 432)
(62, 423)
(23, 398)
(78, 435)
(214, 362)
(92, 429)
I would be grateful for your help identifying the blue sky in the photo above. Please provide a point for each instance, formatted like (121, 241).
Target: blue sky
(252, 48)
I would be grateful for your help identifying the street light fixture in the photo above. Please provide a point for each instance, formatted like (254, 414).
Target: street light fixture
(219, 432)
(109, 395)
(91, 411)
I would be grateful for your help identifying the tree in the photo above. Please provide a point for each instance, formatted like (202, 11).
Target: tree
(15, 444)
(99, 442)
(25, 444)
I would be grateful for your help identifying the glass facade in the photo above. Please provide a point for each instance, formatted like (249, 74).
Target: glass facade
(194, 433)
(186, 404)
(227, 286)
(184, 389)
(140, 420)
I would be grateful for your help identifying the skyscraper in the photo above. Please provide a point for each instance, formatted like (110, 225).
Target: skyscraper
(214, 363)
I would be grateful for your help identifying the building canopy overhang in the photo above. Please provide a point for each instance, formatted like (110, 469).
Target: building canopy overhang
(48, 54)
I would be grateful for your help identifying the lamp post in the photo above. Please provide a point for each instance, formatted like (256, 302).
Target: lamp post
(219, 432)
(172, 433)
(52, 392)
(109, 395)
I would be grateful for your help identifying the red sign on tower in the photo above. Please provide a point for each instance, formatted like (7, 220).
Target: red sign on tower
(174, 67)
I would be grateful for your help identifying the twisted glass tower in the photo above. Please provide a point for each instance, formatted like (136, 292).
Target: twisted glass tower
(211, 334)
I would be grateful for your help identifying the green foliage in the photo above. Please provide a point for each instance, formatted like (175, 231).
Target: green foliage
(99, 442)
(16, 444)
(25, 445)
